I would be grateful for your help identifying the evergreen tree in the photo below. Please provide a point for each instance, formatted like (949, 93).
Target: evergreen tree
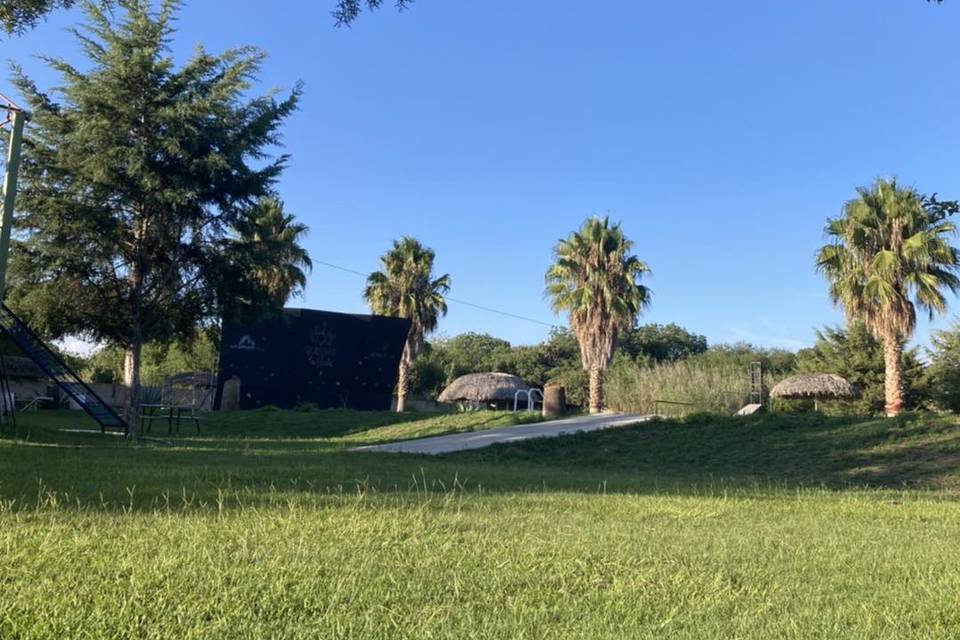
(856, 355)
(944, 368)
(135, 173)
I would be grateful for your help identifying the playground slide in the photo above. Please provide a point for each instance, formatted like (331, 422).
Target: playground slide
(51, 364)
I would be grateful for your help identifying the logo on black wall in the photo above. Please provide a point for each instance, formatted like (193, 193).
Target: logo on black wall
(246, 343)
(320, 349)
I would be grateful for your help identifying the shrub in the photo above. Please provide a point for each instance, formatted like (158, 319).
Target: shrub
(721, 388)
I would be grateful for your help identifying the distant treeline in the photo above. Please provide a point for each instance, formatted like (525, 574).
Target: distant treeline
(669, 362)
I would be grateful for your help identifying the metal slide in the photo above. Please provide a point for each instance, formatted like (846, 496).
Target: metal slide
(51, 364)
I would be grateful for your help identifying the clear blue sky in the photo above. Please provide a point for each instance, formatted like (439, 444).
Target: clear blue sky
(721, 134)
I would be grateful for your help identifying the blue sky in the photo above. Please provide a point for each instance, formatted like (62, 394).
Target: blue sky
(721, 134)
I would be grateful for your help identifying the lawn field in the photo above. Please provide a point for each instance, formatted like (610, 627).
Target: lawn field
(267, 526)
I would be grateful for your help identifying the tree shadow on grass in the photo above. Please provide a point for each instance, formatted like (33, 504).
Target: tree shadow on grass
(915, 451)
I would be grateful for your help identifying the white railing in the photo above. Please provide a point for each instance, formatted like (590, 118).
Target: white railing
(531, 400)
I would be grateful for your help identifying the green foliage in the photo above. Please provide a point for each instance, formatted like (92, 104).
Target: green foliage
(857, 356)
(716, 387)
(890, 253)
(346, 11)
(473, 352)
(743, 354)
(596, 280)
(661, 343)
(160, 360)
(557, 360)
(136, 174)
(944, 369)
(264, 262)
(406, 287)
(16, 16)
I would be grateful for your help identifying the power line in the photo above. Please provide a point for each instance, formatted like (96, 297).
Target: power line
(449, 299)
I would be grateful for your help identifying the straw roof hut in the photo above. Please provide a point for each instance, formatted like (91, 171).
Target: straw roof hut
(814, 386)
(484, 388)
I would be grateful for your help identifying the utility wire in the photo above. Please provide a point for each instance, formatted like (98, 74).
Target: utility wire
(449, 299)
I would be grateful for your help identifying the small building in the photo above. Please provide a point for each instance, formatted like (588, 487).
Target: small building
(27, 381)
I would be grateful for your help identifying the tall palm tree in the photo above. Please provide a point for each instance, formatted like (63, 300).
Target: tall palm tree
(596, 279)
(269, 239)
(888, 253)
(405, 287)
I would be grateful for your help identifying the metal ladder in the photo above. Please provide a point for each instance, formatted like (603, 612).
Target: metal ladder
(756, 383)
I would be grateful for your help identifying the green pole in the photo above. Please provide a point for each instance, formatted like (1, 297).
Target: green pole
(18, 118)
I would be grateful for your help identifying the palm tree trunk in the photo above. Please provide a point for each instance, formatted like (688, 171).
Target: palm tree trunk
(403, 381)
(893, 373)
(596, 390)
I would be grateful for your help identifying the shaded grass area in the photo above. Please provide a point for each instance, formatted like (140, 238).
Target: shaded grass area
(268, 526)
(913, 451)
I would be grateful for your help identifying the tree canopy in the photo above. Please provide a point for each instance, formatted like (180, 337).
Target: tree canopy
(136, 176)
(17, 16)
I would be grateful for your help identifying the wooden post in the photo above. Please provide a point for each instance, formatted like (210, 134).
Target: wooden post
(18, 119)
(554, 401)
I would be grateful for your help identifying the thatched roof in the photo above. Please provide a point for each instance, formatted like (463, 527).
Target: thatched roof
(483, 387)
(20, 367)
(814, 386)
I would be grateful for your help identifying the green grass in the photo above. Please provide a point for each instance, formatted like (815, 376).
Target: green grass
(268, 526)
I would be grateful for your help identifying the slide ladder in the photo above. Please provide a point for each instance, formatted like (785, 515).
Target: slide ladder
(51, 364)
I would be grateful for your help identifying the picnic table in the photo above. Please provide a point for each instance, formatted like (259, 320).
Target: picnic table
(173, 414)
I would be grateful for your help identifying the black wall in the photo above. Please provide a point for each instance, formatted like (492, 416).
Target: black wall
(333, 360)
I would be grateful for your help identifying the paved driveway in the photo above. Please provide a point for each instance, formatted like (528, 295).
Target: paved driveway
(479, 439)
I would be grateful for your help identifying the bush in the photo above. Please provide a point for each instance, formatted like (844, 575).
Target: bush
(945, 368)
(857, 356)
(711, 388)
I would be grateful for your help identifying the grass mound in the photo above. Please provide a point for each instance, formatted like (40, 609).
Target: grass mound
(267, 526)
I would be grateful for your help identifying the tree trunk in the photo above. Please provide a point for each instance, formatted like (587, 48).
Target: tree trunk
(893, 374)
(596, 390)
(131, 379)
(403, 382)
(403, 379)
(132, 356)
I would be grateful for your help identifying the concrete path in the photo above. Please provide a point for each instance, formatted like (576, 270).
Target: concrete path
(479, 439)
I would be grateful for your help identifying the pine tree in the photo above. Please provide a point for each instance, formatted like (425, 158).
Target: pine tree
(135, 173)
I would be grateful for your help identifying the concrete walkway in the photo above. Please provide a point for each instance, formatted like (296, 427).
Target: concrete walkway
(479, 439)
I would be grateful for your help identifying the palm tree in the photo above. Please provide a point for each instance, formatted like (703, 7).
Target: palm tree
(407, 288)
(596, 279)
(889, 253)
(269, 239)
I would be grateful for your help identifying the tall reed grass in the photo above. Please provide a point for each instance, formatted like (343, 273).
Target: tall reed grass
(723, 388)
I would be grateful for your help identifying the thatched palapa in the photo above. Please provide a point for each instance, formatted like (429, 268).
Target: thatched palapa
(814, 386)
(484, 387)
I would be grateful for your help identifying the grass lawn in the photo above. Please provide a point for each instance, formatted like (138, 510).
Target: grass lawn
(267, 526)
